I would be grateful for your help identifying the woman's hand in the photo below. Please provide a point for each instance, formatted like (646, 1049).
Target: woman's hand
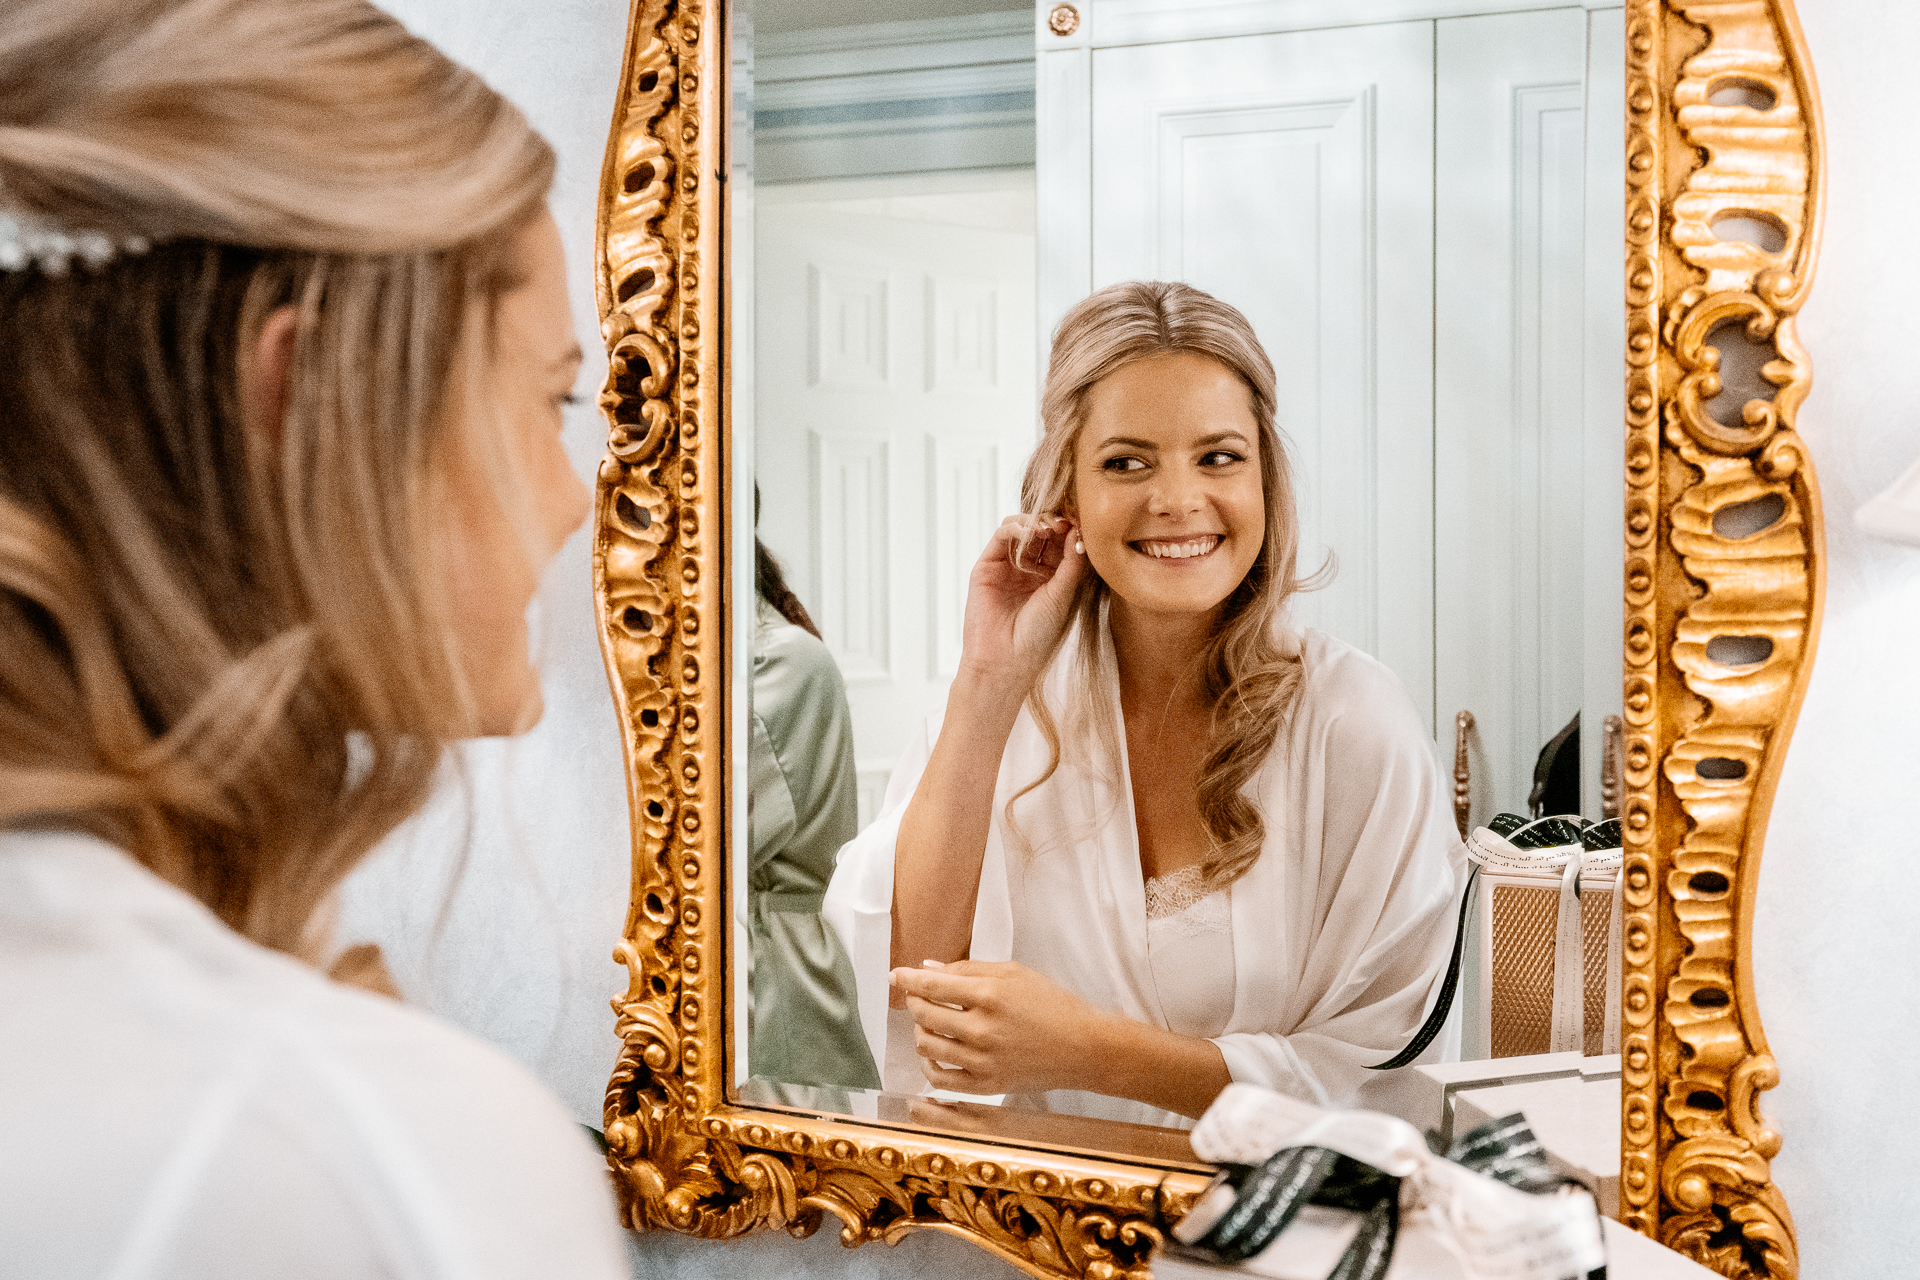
(999, 1028)
(1019, 596)
(1002, 1028)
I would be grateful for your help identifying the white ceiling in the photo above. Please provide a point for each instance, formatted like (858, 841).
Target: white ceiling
(775, 16)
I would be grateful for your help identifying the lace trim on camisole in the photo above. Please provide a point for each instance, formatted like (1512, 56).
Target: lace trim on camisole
(1180, 903)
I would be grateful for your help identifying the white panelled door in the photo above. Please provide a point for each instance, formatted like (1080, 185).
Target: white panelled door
(1512, 414)
(1292, 176)
(1422, 220)
(895, 406)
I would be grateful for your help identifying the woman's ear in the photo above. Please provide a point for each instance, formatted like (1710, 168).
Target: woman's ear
(267, 374)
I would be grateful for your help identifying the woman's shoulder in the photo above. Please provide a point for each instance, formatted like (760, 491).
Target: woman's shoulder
(788, 652)
(1337, 674)
(799, 697)
(103, 964)
(93, 939)
(1349, 696)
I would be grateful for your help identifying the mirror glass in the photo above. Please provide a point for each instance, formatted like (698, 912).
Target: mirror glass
(1420, 221)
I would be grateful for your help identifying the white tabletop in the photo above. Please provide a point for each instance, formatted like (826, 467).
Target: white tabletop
(1313, 1244)
(1573, 1106)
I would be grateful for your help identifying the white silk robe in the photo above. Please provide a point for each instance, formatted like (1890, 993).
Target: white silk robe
(1341, 930)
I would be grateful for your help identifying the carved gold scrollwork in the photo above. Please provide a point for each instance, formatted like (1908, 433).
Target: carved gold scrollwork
(656, 228)
(1695, 321)
(1723, 593)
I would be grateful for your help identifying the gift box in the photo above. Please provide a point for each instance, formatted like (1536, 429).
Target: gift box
(1358, 1195)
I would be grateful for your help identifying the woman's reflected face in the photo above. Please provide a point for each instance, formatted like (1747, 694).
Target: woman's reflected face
(1167, 488)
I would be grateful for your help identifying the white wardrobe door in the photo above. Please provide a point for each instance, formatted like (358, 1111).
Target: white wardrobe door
(895, 410)
(1509, 389)
(1604, 516)
(1291, 175)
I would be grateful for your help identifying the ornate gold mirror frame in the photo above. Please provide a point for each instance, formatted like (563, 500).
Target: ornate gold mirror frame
(1719, 641)
(1720, 627)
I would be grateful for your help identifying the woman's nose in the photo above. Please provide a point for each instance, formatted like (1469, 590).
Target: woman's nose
(1176, 495)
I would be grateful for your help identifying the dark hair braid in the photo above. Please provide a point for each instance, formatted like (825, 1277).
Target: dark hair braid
(771, 583)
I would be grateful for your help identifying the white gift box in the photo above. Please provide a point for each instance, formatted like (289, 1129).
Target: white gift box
(1455, 1224)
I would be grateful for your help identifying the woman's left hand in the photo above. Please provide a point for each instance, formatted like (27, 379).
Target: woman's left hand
(1000, 1028)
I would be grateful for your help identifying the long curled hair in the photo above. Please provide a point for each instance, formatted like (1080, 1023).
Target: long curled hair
(226, 645)
(1249, 674)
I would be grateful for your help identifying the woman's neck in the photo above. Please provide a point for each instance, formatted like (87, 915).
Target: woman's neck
(1159, 657)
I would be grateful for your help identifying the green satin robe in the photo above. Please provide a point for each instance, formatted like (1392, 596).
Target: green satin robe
(803, 1022)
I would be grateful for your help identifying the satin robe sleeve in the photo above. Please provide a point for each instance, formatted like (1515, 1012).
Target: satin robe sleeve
(1361, 901)
(804, 1026)
(859, 901)
(859, 907)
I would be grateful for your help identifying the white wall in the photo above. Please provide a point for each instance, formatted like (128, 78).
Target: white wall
(1837, 929)
(523, 959)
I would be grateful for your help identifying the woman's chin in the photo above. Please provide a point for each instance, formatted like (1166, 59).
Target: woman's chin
(529, 713)
(509, 709)
(1197, 598)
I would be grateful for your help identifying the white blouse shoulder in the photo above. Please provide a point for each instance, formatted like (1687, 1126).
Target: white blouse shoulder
(178, 1102)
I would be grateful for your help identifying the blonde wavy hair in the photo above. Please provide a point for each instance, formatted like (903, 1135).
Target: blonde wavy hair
(1250, 676)
(226, 648)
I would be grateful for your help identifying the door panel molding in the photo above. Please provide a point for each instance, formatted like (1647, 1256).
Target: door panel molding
(1330, 135)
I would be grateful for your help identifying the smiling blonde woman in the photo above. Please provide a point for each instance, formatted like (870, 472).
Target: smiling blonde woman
(1159, 839)
(283, 343)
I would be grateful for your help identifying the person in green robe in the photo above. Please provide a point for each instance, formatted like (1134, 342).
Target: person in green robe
(803, 1020)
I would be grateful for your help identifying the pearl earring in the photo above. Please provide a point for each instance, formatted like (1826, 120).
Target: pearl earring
(1079, 547)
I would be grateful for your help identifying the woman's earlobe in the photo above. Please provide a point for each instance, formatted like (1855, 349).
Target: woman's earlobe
(266, 376)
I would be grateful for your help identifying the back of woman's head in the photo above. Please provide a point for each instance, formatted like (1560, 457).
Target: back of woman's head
(224, 641)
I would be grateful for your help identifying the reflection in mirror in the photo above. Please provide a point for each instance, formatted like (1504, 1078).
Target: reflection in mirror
(805, 1027)
(977, 1119)
(1088, 814)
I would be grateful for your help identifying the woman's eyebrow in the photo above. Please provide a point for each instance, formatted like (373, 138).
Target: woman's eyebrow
(1128, 442)
(1220, 437)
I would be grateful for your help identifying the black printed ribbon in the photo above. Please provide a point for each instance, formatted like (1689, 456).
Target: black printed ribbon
(1268, 1196)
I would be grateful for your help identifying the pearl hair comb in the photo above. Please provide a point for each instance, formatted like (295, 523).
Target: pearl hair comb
(31, 242)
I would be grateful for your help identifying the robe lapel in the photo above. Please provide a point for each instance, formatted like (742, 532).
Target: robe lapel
(1119, 850)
